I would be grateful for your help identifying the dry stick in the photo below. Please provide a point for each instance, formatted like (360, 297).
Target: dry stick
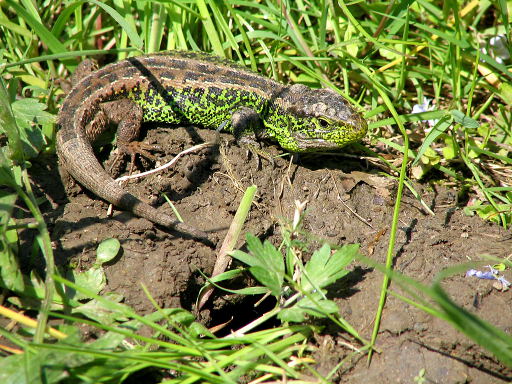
(346, 205)
(166, 165)
(230, 240)
(29, 322)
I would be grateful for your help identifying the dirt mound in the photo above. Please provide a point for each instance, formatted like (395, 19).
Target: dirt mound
(344, 206)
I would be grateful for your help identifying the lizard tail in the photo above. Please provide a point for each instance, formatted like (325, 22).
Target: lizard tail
(77, 157)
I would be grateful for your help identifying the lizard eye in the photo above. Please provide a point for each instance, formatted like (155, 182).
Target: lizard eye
(323, 123)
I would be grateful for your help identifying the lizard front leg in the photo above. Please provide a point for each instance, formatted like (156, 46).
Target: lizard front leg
(248, 130)
(127, 115)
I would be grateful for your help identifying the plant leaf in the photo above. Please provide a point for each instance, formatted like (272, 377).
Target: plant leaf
(270, 279)
(107, 250)
(464, 120)
(324, 269)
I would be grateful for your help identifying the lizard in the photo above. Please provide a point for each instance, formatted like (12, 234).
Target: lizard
(182, 87)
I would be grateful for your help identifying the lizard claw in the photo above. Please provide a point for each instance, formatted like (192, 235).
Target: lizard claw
(135, 148)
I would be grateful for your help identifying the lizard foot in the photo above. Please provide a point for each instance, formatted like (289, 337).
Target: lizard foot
(254, 149)
(248, 130)
(133, 149)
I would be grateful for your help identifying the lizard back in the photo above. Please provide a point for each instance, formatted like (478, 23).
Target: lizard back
(177, 87)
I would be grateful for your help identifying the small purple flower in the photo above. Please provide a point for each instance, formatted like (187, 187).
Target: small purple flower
(481, 275)
(491, 274)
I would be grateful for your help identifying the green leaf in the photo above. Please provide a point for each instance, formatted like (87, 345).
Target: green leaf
(323, 268)
(451, 149)
(499, 267)
(93, 279)
(32, 110)
(270, 279)
(29, 115)
(244, 258)
(37, 286)
(315, 269)
(107, 250)
(7, 200)
(464, 120)
(440, 127)
(294, 314)
(197, 330)
(318, 308)
(265, 261)
(10, 272)
(505, 92)
(488, 212)
(27, 368)
(8, 125)
(7, 177)
(103, 312)
(273, 258)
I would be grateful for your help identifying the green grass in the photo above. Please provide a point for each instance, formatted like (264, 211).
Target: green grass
(383, 58)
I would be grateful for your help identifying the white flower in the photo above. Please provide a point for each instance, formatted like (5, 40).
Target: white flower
(425, 107)
(497, 48)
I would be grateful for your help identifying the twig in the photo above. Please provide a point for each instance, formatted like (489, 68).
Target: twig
(166, 165)
(346, 206)
(223, 257)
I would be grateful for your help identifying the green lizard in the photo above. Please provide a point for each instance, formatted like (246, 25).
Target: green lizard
(192, 88)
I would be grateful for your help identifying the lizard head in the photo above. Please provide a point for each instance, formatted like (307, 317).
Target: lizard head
(319, 119)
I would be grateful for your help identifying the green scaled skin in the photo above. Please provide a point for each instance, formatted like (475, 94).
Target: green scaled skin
(299, 118)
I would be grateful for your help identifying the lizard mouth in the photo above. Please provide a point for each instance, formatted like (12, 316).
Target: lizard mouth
(316, 144)
(331, 139)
